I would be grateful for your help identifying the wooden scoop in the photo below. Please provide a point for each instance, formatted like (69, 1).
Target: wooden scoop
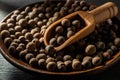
(98, 15)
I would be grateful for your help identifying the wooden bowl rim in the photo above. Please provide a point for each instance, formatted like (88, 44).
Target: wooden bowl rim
(26, 67)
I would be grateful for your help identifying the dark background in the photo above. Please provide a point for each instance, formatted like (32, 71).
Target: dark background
(9, 72)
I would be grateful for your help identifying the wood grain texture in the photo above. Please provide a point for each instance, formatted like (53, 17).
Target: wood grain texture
(9, 72)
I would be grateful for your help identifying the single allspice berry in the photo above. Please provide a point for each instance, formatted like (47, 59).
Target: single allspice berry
(41, 63)
(33, 62)
(60, 40)
(90, 49)
(31, 46)
(3, 26)
(5, 33)
(50, 49)
(29, 56)
(67, 57)
(65, 22)
(86, 64)
(41, 56)
(51, 66)
(96, 60)
(76, 65)
(23, 22)
(61, 66)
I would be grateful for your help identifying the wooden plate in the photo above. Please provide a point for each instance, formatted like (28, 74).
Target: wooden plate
(26, 67)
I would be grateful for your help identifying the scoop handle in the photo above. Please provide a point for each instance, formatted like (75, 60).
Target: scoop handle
(104, 12)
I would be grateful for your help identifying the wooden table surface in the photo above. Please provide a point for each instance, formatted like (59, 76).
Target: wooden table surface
(9, 72)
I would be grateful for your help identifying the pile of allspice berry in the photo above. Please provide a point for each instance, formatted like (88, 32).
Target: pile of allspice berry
(22, 33)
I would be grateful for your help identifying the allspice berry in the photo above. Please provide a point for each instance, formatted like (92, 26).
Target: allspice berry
(86, 64)
(11, 21)
(22, 39)
(89, 58)
(44, 21)
(77, 8)
(60, 40)
(31, 46)
(41, 63)
(106, 55)
(27, 18)
(40, 23)
(69, 34)
(42, 51)
(28, 36)
(114, 48)
(76, 65)
(41, 16)
(10, 25)
(110, 51)
(22, 45)
(117, 41)
(36, 19)
(83, 3)
(12, 37)
(20, 16)
(5, 33)
(53, 41)
(7, 41)
(37, 42)
(18, 28)
(31, 23)
(96, 60)
(33, 62)
(23, 13)
(29, 56)
(90, 49)
(13, 16)
(48, 15)
(16, 11)
(56, 14)
(24, 31)
(101, 45)
(51, 66)
(65, 22)
(23, 22)
(32, 15)
(37, 35)
(50, 59)
(59, 29)
(76, 23)
(68, 64)
(27, 9)
(85, 8)
(19, 49)
(48, 9)
(22, 54)
(14, 44)
(33, 31)
(61, 66)
(16, 41)
(41, 56)
(50, 49)
(18, 34)
(12, 50)
(67, 57)
(3, 26)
